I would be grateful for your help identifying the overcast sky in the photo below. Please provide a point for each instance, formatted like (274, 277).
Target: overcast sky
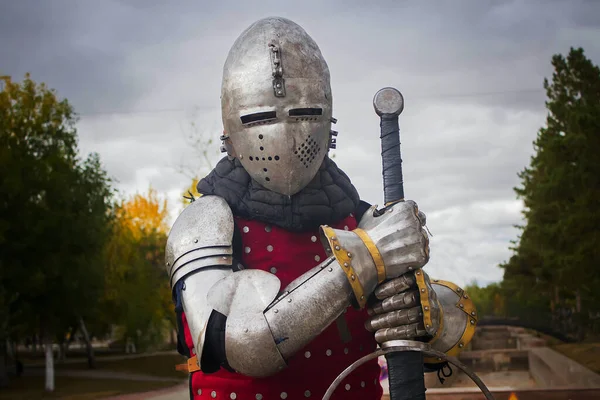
(140, 72)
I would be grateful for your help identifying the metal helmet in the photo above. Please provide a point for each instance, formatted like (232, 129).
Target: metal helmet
(276, 105)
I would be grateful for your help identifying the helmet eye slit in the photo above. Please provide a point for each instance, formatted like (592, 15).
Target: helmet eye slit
(305, 112)
(258, 117)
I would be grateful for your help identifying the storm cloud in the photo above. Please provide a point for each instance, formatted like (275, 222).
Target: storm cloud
(140, 72)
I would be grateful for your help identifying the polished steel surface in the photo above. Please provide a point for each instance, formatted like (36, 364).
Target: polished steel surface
(242, 297)
(455, 320)
(388, 101)
(276, 104)
(306, 309)
(395, 286)
(399, 236)
(195, 303)
(203, 231)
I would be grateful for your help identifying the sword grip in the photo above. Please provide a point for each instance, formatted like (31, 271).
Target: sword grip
(406, 375)
(393, 184)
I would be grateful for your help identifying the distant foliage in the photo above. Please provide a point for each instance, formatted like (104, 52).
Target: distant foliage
(137, 294)
(555, 268)
(55, 216)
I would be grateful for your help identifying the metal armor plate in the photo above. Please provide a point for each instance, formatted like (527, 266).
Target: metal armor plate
(201, 237)
(242, 297)
(459, 318)
(276, 104)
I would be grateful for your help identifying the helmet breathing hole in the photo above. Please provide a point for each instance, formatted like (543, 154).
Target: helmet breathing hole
(264, 169)
(260, 136)
(276, 158)
(261, 148)
(250, 158)
(267, 179)
(270, 158)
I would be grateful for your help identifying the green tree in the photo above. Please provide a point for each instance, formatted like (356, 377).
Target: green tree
(137, 293)
(557, 255)
(54, 215)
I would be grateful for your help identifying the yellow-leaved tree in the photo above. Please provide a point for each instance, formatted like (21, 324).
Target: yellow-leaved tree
(138, 296)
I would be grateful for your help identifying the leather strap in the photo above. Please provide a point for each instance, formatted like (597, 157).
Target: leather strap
(190, 366)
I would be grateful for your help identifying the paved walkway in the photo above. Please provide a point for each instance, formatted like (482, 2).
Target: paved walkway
(100, 358)
(179, 392)
(100, 374)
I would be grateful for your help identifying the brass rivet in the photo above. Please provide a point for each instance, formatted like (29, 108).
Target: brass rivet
(330, 269)
(427, 326)
(426, 308)
(472, 322)
(352, 277)
(349, 255)
(461, 305)
(422, 290)
(466, 297)
(337, 247)
(472, 312)
(418, 273)
(289, 300)
(461, 345)
(346, 264)
(275, 311)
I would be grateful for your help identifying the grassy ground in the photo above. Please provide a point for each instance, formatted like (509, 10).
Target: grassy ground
(161, 365)
(156, 365)
(587, 354)
(75, 388)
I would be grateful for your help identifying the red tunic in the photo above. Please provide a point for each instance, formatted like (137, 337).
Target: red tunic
(311, 371)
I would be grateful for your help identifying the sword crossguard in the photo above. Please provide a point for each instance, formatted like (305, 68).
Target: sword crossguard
(388, 101)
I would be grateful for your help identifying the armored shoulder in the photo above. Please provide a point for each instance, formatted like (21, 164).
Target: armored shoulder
(201, 237)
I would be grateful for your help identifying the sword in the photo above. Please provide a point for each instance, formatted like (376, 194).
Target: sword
(405, 369)
(404, 358)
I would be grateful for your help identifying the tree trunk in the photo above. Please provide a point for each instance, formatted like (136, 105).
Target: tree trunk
(580, 319)
(88, 345)
(49, 363)
(3, 369)
(62, 351)
(71, 339)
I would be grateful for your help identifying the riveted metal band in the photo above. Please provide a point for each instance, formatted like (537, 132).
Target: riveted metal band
(374, 252)
(344, 258)
(424, 294)
(466, 305)
(393, 202)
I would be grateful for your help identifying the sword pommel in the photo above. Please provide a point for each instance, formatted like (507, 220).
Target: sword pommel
(388, 101)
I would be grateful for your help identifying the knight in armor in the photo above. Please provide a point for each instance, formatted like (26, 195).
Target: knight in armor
(281, 275)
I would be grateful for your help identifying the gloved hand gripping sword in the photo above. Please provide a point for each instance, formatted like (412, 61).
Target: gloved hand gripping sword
(404, 357)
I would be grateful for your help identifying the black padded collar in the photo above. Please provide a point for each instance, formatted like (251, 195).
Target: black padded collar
(327, 199)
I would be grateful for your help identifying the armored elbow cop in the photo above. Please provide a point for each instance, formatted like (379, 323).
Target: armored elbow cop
(458, 319)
